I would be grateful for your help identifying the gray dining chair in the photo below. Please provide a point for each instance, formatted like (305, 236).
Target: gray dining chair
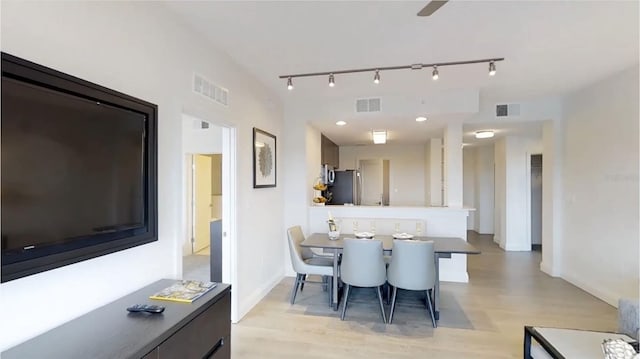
(412, 267)
(362, 266)
(305, 263)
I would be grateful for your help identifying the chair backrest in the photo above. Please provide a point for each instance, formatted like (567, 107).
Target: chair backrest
(298, 254)
(363, 263)
(412, 265)
(296, 234)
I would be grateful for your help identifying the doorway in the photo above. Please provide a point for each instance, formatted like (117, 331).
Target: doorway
(208, 208)
(536, 202)
(374, 179)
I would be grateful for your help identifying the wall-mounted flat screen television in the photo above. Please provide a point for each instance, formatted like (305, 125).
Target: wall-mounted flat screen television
(78, 170)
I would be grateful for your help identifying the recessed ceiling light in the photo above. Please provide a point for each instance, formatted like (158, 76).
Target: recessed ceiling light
(421, 119)
(341, 123)
(484, 134)
(379, 137)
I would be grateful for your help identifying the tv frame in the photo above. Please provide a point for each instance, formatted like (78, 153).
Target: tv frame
(60, 255)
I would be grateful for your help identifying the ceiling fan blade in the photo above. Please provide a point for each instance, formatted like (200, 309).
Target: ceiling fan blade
(431, 7)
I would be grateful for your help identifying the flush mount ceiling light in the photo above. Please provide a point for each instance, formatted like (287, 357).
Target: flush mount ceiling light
(421, 119)
(484, 134)
(376, 70)
(379, 137)
(341, 123)
(289, 84)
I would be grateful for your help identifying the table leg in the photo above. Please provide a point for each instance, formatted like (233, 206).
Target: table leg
(436, 291)
(335, 279)
(527, 343)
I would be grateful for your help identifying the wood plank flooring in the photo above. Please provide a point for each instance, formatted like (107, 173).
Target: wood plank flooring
(480, 319)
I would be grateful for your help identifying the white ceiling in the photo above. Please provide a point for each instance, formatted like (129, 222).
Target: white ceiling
(550, 48)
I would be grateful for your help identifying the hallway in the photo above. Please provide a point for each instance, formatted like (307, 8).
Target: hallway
(480, 319)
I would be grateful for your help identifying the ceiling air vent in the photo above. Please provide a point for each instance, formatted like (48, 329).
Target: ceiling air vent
(368, 105)
(210, 90)
(508, 110)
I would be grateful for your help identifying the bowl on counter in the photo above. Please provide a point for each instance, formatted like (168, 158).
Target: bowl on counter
(364, 234)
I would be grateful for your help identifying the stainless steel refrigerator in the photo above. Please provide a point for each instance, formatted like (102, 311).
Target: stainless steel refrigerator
(346, 187)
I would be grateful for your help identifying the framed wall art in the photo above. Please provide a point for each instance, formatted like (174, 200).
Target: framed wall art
(264, 159)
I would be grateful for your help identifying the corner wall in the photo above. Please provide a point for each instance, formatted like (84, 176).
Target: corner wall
(600, 186)
(142, 49)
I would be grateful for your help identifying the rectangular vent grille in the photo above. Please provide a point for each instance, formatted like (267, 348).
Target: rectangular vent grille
(368, 105)
(508, 110)
(209, 90)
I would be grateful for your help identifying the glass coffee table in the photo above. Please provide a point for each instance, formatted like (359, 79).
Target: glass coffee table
(559, 343)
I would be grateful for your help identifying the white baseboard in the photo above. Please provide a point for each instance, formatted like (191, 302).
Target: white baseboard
(459, 277)
(549, 270)
(245, 305)
(604, 295)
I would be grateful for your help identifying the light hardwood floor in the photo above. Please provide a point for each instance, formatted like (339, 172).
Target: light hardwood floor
(480, 319)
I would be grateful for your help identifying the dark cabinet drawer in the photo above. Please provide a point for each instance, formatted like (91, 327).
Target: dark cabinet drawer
(207, 335)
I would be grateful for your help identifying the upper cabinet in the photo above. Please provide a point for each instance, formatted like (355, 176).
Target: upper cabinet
(329, 152)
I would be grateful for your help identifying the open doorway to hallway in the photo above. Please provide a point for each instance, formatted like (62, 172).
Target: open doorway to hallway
(208, 206)
(536, 202)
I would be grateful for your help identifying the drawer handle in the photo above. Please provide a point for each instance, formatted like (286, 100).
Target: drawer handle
(215, 348)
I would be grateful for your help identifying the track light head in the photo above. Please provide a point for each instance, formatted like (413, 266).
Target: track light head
(492, 68)
(332, 81)
(289, 84)
(376, 77)
(435, 74)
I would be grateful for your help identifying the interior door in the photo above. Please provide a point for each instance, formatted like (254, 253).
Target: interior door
(202, 202)
(371, 181)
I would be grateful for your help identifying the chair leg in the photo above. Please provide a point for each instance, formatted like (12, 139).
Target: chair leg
(393, 303)
(324, 283)
(294, 290)
(430, 304)
(346, 300)
(384, 318)
(304, 277)
(387, 286)
(330, 290)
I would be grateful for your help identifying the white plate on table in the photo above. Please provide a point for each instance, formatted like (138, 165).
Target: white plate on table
(364, 234)
(403, 235)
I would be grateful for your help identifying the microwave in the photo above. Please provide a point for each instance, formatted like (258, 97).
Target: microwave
(328, 174)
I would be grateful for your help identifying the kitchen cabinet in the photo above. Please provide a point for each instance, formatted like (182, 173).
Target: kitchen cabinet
(329, 152)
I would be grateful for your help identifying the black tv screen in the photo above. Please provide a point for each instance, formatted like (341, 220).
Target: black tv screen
(78, 166)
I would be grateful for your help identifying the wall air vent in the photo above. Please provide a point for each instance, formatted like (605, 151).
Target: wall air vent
(508, 110)
(368, 105)
(210, 90)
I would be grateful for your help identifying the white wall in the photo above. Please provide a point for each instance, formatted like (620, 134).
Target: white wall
(143, 50)
(484, 189)
(468, 184)
(406, 169)
(600, 232)
(200, 140)
(552, 197)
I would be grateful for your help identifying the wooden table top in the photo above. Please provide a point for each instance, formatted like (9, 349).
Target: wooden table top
(440, 244)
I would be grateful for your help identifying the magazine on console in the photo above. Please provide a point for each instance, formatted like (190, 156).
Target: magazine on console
(185, 291)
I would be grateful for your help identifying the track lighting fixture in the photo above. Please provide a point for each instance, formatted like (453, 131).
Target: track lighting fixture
(376, 77)
(435, 75)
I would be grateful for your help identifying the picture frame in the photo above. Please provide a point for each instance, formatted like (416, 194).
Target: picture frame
(264, 159)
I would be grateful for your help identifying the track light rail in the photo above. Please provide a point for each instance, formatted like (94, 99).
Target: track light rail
(386, 68)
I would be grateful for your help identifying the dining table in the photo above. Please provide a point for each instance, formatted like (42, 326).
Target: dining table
(443, 247)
